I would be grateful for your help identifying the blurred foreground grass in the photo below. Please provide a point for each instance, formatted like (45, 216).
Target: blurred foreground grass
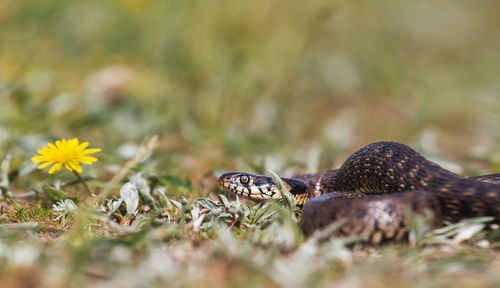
(234, 85)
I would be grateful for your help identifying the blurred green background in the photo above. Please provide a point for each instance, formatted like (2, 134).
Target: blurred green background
(292, 86)
(253, 84)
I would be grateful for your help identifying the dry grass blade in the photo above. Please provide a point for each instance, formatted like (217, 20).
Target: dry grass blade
(288, 199)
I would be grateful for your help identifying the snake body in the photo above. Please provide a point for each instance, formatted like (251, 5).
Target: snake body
(374, 191)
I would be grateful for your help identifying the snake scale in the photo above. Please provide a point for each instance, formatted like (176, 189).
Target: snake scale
(374, 190)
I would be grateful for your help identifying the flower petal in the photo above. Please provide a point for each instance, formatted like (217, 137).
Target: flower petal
(43, 165)
(90, 151)
(51, 146)
(83, 145)
(73, 164)
(38, 159)
(88, 159)
(67, 166)
(59, 143)
(54, 168)
(78, 168)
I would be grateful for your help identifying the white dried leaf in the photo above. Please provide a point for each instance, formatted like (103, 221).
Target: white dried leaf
(140, 183)
(468, 232)
(71, 206)
(65, 206)
(114, 204)
(129, 194)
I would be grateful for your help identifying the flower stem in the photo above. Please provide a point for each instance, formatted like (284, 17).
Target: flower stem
(84, 183)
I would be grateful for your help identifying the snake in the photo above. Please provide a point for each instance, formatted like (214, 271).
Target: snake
(375, 193)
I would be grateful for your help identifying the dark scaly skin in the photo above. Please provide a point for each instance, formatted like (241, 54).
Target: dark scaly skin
(376, 187)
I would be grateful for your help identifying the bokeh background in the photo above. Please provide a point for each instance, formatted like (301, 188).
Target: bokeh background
(226, 80)
(292, 86)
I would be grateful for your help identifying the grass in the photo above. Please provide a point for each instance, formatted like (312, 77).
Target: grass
(177, 92)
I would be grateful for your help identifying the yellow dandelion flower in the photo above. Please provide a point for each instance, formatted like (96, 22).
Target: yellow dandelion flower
(67, 153)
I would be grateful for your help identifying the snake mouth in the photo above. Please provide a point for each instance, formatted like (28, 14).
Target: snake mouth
(250, 186)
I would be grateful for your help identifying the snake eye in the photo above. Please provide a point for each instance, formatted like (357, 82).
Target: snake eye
(244, 179)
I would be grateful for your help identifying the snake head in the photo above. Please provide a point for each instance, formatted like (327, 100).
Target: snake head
(259, 187)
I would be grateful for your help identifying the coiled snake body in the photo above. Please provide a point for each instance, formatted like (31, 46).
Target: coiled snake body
(357, 193)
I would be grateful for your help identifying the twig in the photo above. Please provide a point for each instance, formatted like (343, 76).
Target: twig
(145, 150)
(4, 184)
